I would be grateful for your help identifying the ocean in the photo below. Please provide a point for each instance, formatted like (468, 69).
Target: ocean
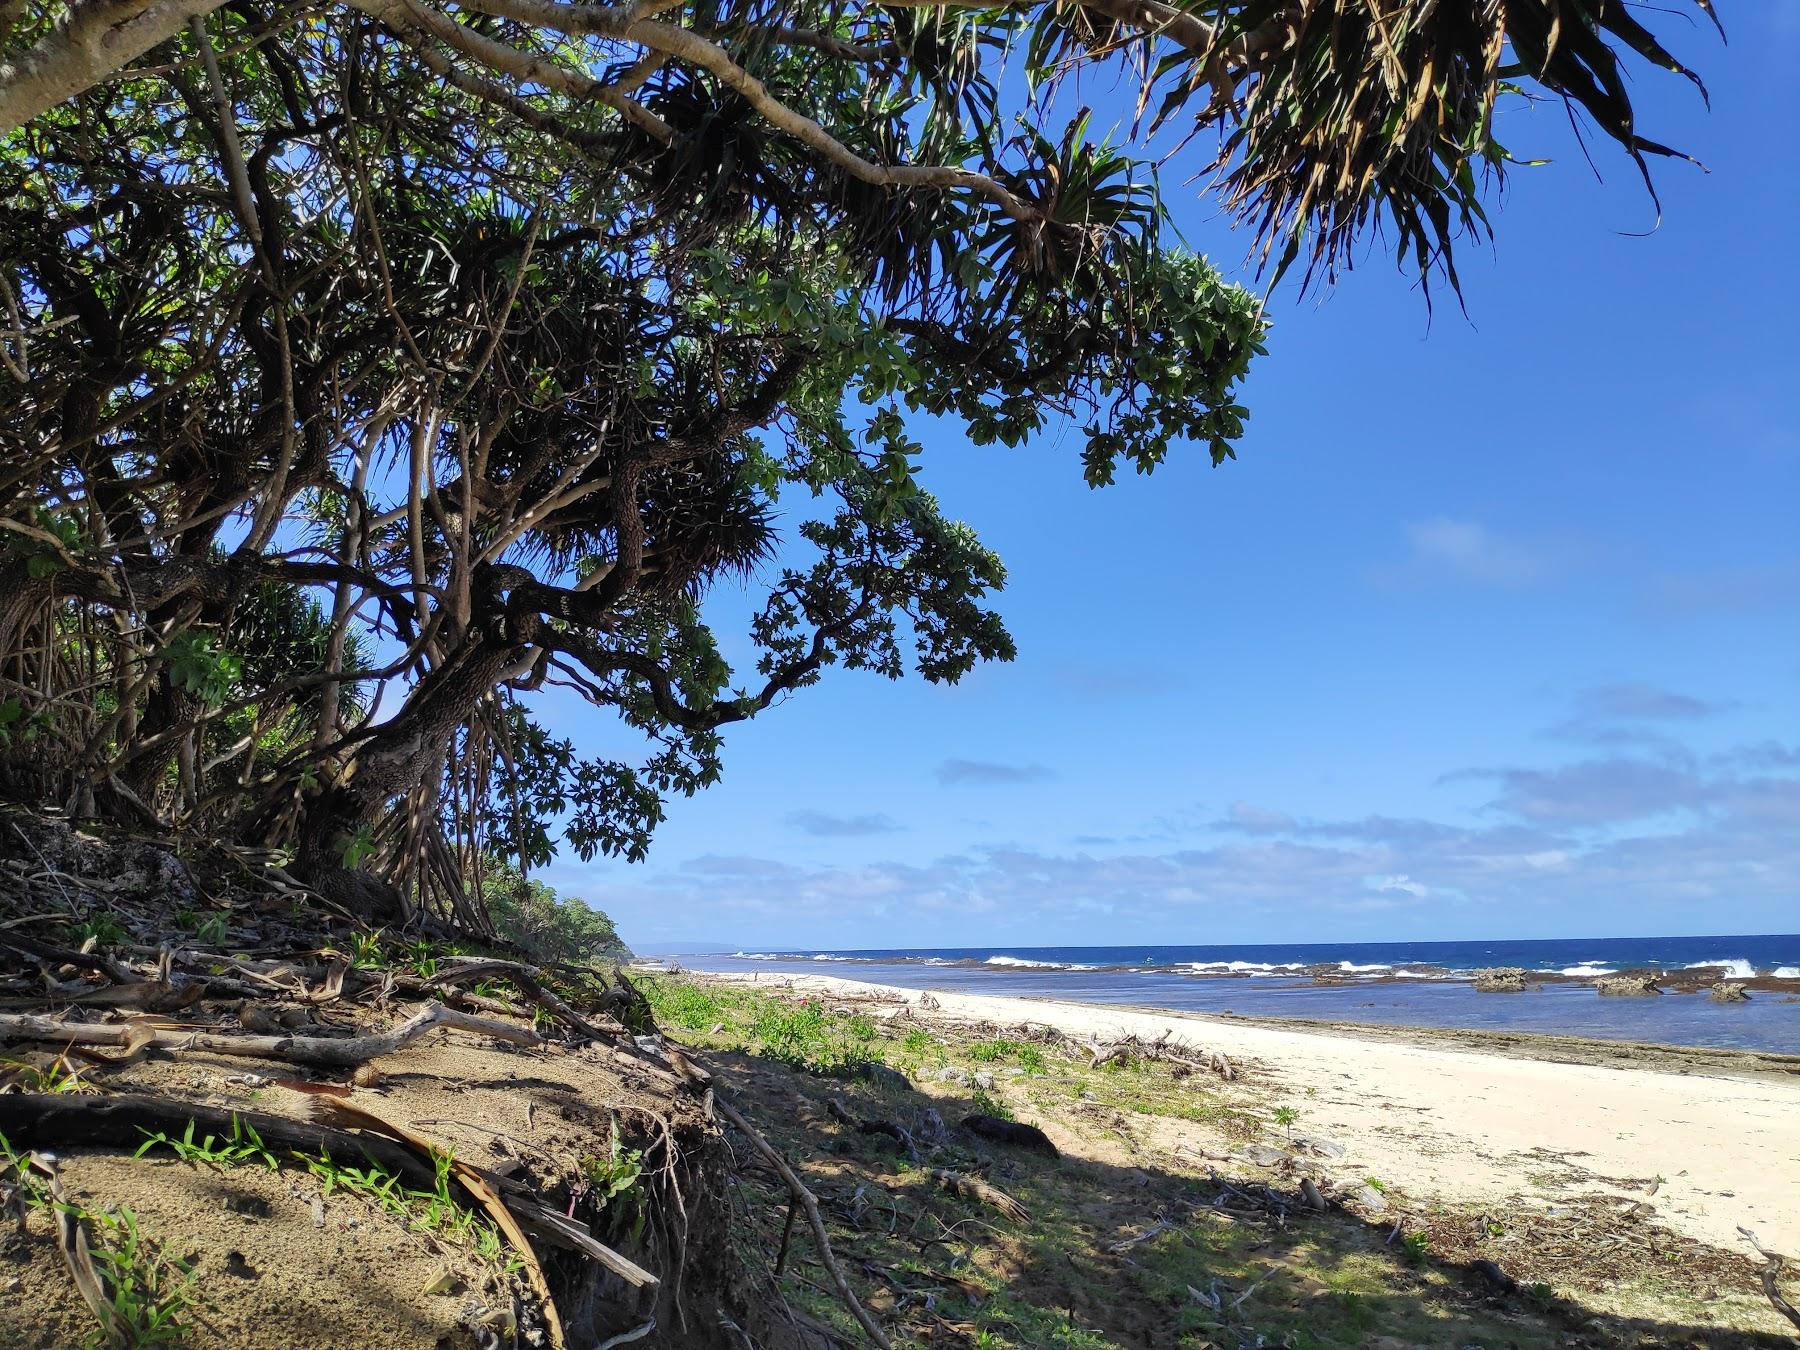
(1392, 983)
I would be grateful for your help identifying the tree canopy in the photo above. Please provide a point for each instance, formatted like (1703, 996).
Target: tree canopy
(370, 367)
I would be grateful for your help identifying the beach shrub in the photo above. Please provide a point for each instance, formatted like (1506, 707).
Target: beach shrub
(547, 927)
(991, 1052)
(806, 1037)
(683, 1005)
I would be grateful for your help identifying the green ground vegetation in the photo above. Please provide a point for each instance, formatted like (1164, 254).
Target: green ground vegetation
(1126, 1244)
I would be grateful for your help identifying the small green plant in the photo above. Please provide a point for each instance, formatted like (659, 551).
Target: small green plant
(358, 848)
(1376, 1184)
(207, 928)
(57, 1077)
(1417, 1246)
(1357, 1311)
(422, 956)
(1285, 1116)
(1031, 1059)
(103, 929)
(147, 1292)
(613, 1176)
(918, 1041)
(992, 1052)
(242, 1145)
(366, 952)
(434, 1211)
(501, 991)
(989, 1105)
(29, 1185)
(1540, 1293)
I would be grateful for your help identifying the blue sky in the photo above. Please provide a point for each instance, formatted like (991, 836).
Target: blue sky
(1492, 630)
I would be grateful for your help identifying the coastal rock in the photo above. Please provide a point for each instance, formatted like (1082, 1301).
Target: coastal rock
(1367, 1198)
(984, 1081)
(1727, 991)
(1628, 986)
(1265, 1155)
(1011, 1132)
(1319, 1148)
(1500, 980)
(884, 1077)
(954, 1076)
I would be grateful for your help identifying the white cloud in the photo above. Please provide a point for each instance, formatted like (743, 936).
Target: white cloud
(1399, 884)
(1467, 550)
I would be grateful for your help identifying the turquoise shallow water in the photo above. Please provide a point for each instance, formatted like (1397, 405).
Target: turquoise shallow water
(1434, 991)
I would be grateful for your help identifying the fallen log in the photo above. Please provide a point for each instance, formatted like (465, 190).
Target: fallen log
(973, 1188)
(123, 1120)
(318, 1051)
(842, 1114)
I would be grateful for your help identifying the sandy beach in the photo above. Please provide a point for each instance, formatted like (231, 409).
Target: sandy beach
(1711, 1145)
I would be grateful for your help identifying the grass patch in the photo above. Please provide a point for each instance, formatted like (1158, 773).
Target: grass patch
(241, 1146)
(803, 1034)
(148, 1293)
(432, 1211)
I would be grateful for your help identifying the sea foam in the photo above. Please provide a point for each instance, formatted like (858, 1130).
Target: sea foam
(1244, 967)
(1737, 968)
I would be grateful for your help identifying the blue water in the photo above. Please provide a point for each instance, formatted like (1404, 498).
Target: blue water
(1276, 980)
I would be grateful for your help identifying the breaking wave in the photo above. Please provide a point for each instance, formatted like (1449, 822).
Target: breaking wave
(1244, 967)
(1737, 968)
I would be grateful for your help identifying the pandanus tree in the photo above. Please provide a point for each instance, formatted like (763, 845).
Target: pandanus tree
(371, 366)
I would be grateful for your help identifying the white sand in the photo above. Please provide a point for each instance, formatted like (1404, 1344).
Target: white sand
(1461, 1125)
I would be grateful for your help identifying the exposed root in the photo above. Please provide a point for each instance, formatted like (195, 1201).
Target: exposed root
(810, 1206)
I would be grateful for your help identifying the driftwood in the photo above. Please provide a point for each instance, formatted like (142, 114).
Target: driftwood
(1010, 1132)
(1772, 1266)
(973, 1188)
(809, 1205)
(62, 956)
(1150, 1234)
(531, 986)
(563, 1231)
(842, 1114)
(318, 1051)
(122, 1120)
(1192, 1058)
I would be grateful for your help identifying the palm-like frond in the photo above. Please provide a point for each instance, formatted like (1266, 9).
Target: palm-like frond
(1353, 113)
